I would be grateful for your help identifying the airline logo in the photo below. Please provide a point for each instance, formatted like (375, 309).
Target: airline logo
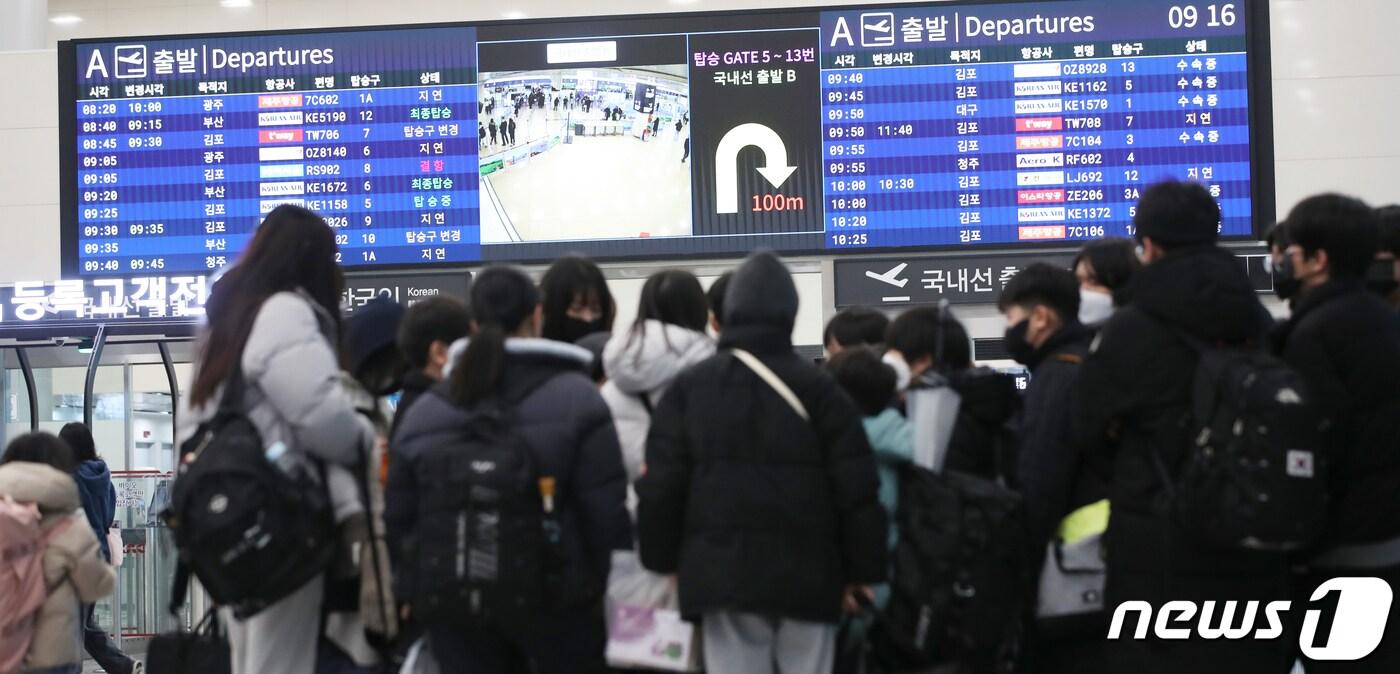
(1041, 232)
(1040, 106)
(1046, 160)
(267, 206)
(1053, 88)
(289, 118)
(280, 136)
(1046, 214)
(279, 101)
(1025, 124)
(1035, 70)
(287, 153)
(1051, 196)
(281, 171)
(1040, 142)
(1039, 178)
(281, 189)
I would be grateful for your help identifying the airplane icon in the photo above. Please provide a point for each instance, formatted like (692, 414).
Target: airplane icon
(890, 276)
(130, 61)
(877, 29)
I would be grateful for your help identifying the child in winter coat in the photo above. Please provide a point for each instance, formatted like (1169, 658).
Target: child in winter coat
(871, 383)
(37, 469)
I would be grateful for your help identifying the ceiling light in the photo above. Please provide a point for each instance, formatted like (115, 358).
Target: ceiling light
(513, 14)
(65, 19)
(232, 4)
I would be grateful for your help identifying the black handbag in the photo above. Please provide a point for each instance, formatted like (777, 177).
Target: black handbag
(203, 651)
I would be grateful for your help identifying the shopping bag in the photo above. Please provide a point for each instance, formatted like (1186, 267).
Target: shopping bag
(654, 638)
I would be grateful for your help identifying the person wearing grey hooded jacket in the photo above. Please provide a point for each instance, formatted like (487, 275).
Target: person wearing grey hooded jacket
(667, 337)
(275, 316)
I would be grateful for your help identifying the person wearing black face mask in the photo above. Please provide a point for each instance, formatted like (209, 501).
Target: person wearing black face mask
(576, 300)
(1286, 285)
(1345, 342)
(1041, 305)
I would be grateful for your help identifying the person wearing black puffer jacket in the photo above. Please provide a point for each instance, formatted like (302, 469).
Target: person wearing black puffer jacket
(557, 410)
(770, 520)
(1345, 342)
(1134, 395)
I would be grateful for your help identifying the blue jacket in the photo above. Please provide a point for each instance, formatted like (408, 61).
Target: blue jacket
(892, 438)
(99, 499)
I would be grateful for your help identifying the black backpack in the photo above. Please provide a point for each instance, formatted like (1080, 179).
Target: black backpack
(487, 545)
(1254, 477)
(960, 581)
(251, 532)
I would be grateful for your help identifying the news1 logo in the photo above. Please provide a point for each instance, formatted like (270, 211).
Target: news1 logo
(1358, 621)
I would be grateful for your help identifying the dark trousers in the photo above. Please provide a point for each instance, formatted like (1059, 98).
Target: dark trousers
(564, 643)
(101, 648)
(1386, 657)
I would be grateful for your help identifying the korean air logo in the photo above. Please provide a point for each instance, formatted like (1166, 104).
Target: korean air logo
(1357, 626)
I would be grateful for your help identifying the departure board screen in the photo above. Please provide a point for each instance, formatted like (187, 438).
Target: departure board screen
(949, 125)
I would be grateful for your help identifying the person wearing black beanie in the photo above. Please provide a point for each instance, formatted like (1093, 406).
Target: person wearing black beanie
(1133, 389)
(740, 448)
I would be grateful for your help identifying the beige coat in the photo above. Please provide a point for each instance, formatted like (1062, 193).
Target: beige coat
(73, 564)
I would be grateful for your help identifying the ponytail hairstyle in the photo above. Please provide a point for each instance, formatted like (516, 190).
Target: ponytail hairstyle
(502, 300)
(672, 297)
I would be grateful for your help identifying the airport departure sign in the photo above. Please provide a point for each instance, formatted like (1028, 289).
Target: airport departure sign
(947, 125)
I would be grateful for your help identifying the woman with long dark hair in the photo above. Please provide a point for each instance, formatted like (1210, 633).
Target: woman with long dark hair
(576, 302)
(550, 403)
(274, 318)
(667, 337)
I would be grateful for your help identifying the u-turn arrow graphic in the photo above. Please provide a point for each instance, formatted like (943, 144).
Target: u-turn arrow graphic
(775, 168)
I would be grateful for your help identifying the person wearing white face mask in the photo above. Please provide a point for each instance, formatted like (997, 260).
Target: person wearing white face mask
(1104, 269)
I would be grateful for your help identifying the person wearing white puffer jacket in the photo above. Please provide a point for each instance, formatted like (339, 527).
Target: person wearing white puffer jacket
(667, 337)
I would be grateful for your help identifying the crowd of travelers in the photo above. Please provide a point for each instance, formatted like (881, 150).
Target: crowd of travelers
(504, 484)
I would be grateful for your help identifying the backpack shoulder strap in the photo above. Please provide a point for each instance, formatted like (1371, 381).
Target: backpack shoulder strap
(773, 381)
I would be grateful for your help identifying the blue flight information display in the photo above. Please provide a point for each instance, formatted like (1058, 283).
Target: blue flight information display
(183, 146)
(941, 126)
(1029, 122)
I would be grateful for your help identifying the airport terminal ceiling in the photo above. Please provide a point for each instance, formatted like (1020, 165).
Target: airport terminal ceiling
(957, 125)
